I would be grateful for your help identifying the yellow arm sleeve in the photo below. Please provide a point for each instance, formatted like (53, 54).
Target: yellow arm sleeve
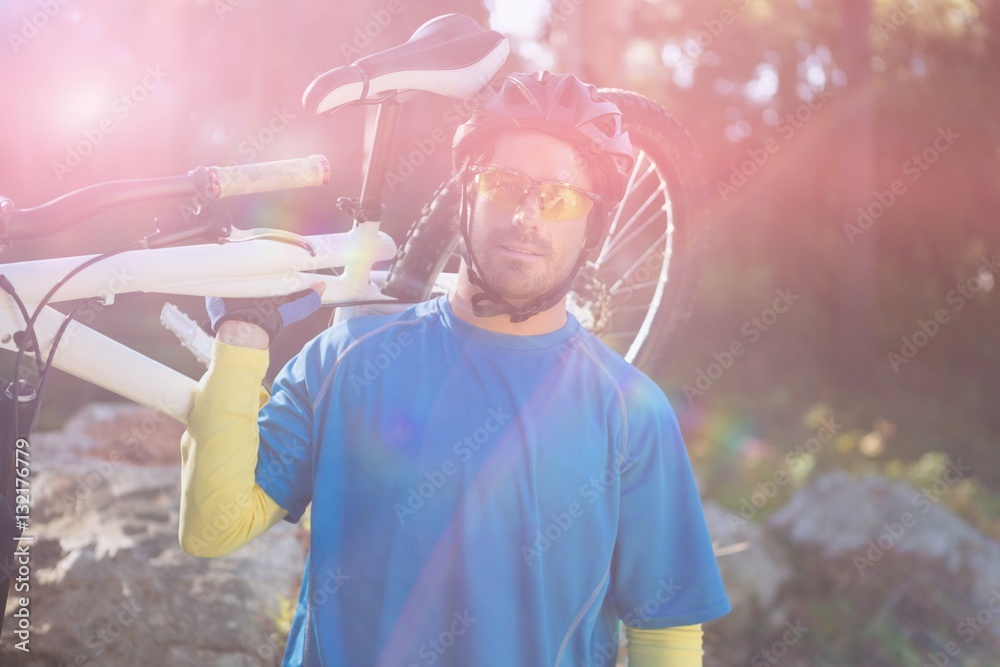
(667, 647)
(222, 506)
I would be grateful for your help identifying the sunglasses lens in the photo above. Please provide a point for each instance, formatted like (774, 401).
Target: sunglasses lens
(505, 189)
(556, 201)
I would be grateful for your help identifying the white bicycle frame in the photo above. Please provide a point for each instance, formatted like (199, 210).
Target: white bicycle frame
(248, 268)
(255, 268)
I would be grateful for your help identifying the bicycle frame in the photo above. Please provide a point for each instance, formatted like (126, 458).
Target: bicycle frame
(250, 269)
(254, 268)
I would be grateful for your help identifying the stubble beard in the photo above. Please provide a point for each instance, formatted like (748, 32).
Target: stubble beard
(513, 278)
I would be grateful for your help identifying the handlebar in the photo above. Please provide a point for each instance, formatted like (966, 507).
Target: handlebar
(203, 182)
(247, 179)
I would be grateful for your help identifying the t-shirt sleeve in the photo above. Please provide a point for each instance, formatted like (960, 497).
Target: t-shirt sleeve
(664, 569)
(286, 455)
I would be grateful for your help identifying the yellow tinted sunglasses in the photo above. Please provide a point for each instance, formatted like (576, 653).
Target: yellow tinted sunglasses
(507, 189)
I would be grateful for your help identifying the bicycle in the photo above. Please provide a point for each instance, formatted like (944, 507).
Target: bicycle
(636, 294)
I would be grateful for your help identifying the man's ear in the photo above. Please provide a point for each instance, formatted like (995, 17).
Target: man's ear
(597, 222)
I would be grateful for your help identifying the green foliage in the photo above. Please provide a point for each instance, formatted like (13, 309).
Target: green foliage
(761, 466)
(883, 635)
(283, 619)
(924, 67)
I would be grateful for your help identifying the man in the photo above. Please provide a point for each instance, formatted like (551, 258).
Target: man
(505, 489)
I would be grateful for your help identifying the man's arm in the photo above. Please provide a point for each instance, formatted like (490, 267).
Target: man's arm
(222, 506)
(668, 647)
(665, 573)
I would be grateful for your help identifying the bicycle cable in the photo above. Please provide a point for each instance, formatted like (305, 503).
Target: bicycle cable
(15, 388)
(43, 377)
(93, 260)
(9, 288)
(30, 326)
(43, 369)
(30, 322)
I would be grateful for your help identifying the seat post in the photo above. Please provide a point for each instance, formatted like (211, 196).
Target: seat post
(368, 212)
(370, 206)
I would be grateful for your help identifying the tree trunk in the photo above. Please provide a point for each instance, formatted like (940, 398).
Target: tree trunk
(856, 308)
(589, 39)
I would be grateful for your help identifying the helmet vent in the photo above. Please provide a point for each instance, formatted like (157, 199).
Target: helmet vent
(566, 97)
(607, 124)
(514, 95)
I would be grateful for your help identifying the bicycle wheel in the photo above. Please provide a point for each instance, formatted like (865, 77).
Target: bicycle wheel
(638, 292)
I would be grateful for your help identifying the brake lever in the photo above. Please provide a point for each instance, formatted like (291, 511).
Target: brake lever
(200, 221)
(209, 221)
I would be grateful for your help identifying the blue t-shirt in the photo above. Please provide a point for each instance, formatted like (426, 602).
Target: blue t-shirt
(479, 498)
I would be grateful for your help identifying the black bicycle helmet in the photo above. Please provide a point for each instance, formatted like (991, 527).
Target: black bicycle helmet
(568, 109)
(560, 105)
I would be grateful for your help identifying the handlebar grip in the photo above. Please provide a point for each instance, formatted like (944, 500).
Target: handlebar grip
(247, 179)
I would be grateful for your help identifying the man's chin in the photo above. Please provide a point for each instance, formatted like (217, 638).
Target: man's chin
(519, 297)
(514, 292)
(518, 285)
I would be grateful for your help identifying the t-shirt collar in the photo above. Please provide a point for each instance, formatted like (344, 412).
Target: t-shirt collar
(480, 336)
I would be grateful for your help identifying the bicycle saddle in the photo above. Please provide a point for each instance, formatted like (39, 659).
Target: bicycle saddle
(450, 55)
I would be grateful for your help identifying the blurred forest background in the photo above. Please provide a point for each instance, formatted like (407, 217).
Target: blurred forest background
(852, 149)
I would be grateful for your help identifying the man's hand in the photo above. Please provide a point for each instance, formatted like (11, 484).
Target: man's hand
(242, 334)
(254, 322)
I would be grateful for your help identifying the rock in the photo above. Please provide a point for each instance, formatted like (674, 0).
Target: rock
(110, 584)
(864, 572)
(866, 519)
(755, 567)
(886, 574)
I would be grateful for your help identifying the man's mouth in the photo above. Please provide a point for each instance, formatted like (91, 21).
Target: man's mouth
(521, 250)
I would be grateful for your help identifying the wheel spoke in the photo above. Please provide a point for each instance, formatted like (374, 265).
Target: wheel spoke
(638, 286)
(616, 244)
(614, 233)
(620, 237)
(653, 248)
(629, 187)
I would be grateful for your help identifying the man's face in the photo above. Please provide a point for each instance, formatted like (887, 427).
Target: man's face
(517, 253)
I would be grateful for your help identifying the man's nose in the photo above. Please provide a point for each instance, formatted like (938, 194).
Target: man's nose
(527, 214)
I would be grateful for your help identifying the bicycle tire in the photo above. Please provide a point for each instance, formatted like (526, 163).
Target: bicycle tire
(669, 246)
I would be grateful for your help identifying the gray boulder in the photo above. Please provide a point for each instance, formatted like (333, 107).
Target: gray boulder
(109, 583)
(868, 572)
